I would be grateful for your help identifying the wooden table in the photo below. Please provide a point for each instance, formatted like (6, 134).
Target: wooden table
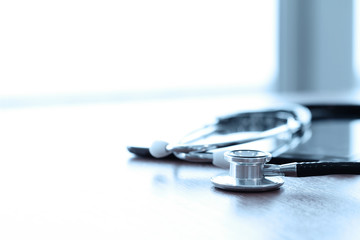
(65, 173)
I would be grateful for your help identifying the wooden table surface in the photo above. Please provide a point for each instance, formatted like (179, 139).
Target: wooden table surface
(65, 173)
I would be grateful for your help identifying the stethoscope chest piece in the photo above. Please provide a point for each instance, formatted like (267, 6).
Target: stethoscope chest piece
(246, 173)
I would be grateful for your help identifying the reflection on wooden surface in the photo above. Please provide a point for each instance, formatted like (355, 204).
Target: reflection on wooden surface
(65, 173)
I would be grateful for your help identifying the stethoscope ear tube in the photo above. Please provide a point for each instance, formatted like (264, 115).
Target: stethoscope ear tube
(306, 169)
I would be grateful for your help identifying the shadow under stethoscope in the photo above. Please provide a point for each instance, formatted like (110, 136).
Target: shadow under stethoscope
(250, 205)
(255, 194)
(253, 197)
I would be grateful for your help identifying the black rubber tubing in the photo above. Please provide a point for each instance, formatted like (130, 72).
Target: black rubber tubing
(306, 169)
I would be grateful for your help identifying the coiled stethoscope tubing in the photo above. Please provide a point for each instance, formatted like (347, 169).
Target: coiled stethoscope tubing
(286, 124)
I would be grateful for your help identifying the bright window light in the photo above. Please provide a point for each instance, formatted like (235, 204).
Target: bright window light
(357, 40)
(78, 46)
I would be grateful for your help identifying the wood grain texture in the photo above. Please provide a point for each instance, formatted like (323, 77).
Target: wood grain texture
(65, 173)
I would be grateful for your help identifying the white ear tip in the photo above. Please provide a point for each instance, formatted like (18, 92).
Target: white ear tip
(158, 149)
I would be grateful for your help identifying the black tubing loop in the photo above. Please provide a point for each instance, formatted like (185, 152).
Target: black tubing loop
(334, 111)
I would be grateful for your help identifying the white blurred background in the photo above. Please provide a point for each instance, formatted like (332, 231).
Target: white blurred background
(142, 48)
(357, 41)
(77, 46)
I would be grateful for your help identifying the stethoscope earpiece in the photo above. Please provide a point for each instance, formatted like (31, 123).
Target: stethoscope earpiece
(158, 149)
(246, 173)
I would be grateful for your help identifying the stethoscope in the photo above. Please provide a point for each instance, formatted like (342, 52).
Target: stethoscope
(224, 142)
(249, 171)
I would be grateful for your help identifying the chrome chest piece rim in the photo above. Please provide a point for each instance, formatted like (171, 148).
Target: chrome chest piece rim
(246, 172)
